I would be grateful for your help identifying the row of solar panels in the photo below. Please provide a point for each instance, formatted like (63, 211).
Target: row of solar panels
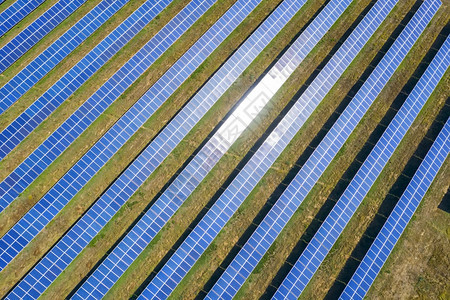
(15, 13)
(91, 223)
(34, 32)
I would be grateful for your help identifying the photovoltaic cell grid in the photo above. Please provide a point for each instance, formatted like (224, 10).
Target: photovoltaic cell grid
(15, 13)
(38, 279)
(146, 229)
(64, 135)
(56, 52)
(383, 245)
(12, 135)
(222, 210)
(26, 39)
(338, 218)
(266, 233)
(61, 193)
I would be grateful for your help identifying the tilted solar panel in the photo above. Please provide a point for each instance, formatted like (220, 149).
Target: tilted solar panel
(146, 229)
(57, 51)
(40, 109)
(66, 133)
(26, 39)
(396, 223)
(15, 13)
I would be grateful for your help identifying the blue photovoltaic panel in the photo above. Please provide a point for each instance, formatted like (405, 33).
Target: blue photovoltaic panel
(12, 135)
(382, 246)
(91, 162)
(273, 223)
(64, 135)
(15, 13)
(139, 237)
(334, 224)
(57, 51)
(209, 226)
(36, 31)
(38, 279)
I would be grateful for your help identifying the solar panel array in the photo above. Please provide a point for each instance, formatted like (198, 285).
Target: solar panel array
(229, 201)
(26, 39)
(396, 223)
(16, 132)
(341, 213)
(65, 134)
(96, 157)
(38, 279)
(15, 13)
(266, 233)
(120, 267)
(57, 51)
(166, 205)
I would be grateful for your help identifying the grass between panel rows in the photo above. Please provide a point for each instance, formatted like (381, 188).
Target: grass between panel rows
(87, 139)
(234, 229)
(62, 164)
(340, 252)
(420, 262)
(46, 41)
(138, 141)
(30, 18)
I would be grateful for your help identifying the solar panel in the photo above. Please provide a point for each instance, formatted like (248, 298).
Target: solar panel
(91, 162)
(275, 220)
(57, 51)
(166, 205)
(66, 133)
(26, 39)
(229, 201)
(341, 213)
(15, 13)
(16, 132)
(396, 223)
(38, 279)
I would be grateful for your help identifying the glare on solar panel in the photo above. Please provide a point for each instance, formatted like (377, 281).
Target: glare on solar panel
(207, 229)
